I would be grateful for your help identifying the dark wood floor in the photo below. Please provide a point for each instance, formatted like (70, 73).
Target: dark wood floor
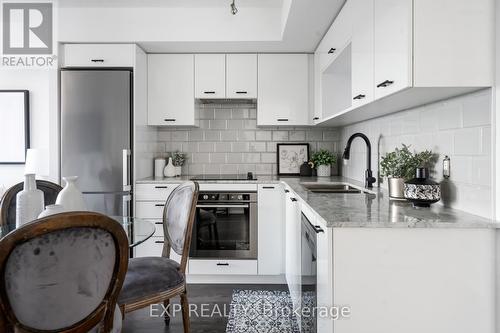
(214, 296)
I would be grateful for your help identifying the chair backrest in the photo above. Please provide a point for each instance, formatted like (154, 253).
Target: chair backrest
(63, 273)
(178, 220)
(8, 203)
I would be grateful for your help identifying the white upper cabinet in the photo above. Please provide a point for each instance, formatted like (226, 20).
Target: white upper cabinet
(241, 76)
(210, 75)
(362, 53)
(393, 45)
(400, 54)
(171, 90)
(99, 55)
(284, 90)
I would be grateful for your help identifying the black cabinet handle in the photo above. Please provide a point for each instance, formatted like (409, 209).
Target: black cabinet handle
(360, 96)
(268, 187)
(161, 186)
(316, 118)
(286, 191)
(242, 92)
(158, 222)
(97, 60)
(209, 92)
(169, 119)
(159, 242)
(293, 199)
(222, 264)
(160, 205)
(282, 119)
(332, 50)
(384, 84)
(318, 229)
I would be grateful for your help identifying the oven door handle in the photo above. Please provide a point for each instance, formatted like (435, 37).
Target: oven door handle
(222, 206)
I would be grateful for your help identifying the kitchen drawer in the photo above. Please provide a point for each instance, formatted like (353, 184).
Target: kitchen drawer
(153, 247)
(220, 267)
(151, 192)
(142, 229)
(149, 209)
(99, 55)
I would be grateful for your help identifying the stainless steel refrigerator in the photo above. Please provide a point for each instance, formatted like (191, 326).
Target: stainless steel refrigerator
(96, 109)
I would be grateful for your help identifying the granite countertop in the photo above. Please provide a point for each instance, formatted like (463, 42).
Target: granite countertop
(363, 210)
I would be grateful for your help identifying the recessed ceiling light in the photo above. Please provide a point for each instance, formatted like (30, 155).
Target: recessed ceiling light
(234, 10)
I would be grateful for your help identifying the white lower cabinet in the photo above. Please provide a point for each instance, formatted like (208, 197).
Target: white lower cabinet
(271, 211)
(324, 276)
(292, 246)
(223, 267)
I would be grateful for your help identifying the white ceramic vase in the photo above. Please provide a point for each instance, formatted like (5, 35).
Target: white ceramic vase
(178, 171)
(324, 170)
(51, 210)
(169, 169)
(159, 167)
(29, 202)
(70, 196)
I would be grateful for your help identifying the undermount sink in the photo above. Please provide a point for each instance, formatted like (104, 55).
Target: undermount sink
(330, 188)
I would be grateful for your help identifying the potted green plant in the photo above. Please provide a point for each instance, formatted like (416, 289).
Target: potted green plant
(178, 159)
(323, 161)
(400, 165)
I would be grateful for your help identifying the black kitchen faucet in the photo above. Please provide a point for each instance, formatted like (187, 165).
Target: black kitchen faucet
(369, 179)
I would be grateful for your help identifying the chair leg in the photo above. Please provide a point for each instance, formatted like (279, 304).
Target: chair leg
(166, 304)
(185, 312)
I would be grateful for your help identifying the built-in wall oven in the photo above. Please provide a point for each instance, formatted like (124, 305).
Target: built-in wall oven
(225, 226)
(308, 275)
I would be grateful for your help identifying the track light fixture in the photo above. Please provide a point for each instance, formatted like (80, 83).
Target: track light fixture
(234, 10)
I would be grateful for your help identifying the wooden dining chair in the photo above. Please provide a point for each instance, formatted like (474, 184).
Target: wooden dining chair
(63, 273)
(8, 202)
(152, 280)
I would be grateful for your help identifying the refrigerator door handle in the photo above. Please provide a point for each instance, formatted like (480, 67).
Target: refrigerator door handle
(126, 170)
(126, 205)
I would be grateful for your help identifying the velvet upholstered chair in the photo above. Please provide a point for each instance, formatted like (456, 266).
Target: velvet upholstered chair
(63, 273)
(8, 202)
(153, 280)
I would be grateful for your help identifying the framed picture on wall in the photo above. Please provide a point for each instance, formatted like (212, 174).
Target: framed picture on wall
(14, 126)
(290, 157)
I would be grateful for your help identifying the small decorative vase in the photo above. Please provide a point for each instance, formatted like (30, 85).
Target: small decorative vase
(305, 170)
(169, 169)
(51, 210)
(178, 171)
(421, 191)
(29, 202)
(324, 170)
(70, 197)
(396, 188)
(159, 167)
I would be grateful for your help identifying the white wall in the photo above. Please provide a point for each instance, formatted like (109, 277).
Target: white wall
(459, 127)
(42, 84)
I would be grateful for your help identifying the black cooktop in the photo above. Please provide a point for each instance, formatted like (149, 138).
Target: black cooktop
(235, 177)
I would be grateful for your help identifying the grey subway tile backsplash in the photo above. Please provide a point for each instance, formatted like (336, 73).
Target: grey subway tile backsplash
(228, 141)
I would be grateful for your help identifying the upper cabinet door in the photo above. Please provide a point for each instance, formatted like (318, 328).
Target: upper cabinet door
(171, 90)
(393, 46)
(210, 75)
(362, 52)
(241, 76)
(283, 90)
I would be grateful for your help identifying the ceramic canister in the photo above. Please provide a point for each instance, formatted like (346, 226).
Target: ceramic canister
(421, 191)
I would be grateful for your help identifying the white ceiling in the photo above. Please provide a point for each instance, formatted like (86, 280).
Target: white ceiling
(170, 3)
(200, 25)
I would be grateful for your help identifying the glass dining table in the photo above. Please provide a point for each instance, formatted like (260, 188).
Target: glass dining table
(138, 230)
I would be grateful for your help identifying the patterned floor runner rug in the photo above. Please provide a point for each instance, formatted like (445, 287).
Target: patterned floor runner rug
(261, 311)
